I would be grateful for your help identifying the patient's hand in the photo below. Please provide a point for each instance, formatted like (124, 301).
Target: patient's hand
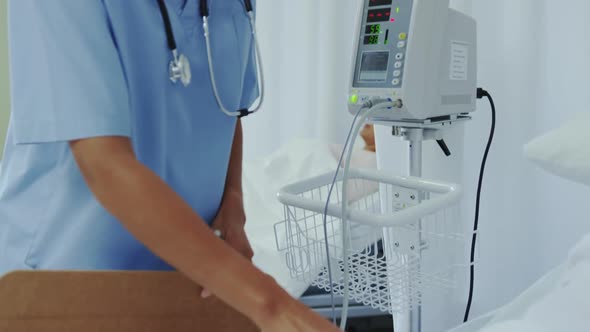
(368, 135)
(230, 221)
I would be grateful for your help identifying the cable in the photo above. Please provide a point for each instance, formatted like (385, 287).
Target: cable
(481, 93)
(344, 198)
(325, 221)
(369, 108)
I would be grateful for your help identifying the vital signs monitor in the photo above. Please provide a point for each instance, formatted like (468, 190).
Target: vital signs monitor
(418, 52)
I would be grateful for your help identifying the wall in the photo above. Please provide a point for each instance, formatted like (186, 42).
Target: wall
(4, 90)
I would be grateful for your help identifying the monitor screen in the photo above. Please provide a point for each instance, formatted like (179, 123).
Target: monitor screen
(374, 66)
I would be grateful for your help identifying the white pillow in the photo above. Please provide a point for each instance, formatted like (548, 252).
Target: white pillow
(565, 151)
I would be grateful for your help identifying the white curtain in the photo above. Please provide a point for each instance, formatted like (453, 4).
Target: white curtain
(534, 57)
(307, 49)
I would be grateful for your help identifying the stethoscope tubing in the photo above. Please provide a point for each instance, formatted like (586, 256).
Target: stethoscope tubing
(177, 57)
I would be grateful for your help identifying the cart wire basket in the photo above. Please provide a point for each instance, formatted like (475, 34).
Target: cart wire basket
(404, 237)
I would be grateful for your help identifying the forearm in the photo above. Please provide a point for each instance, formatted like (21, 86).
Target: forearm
(233, 184)
(168, 226)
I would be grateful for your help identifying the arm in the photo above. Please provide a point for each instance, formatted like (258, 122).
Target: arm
(233, 184)
(231, 218)
(161, 220)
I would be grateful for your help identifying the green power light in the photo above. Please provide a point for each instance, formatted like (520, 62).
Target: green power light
(354, 99)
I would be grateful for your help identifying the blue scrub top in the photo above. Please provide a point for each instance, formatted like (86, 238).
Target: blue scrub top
(90, 68)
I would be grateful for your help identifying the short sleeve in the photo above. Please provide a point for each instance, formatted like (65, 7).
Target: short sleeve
(67, 80)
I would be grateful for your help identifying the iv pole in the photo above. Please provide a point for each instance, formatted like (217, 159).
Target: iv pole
(416, 133)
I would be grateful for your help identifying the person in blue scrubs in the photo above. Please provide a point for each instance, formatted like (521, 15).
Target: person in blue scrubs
(110, 166)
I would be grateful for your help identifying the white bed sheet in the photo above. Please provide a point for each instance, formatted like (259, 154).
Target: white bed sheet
(263, 178)
(560, 301)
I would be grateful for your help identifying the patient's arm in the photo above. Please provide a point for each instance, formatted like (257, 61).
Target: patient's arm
(368, 135)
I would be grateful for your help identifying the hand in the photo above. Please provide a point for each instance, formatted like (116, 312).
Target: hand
(230, 221)
(368, 135)
(296, 317)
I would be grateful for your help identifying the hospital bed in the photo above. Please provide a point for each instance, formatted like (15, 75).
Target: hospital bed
(561, 297)
(559, 301)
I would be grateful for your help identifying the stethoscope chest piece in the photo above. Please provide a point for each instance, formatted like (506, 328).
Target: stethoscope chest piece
(180, 70)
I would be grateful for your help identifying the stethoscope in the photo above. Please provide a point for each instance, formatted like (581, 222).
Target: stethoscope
(180, 69)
